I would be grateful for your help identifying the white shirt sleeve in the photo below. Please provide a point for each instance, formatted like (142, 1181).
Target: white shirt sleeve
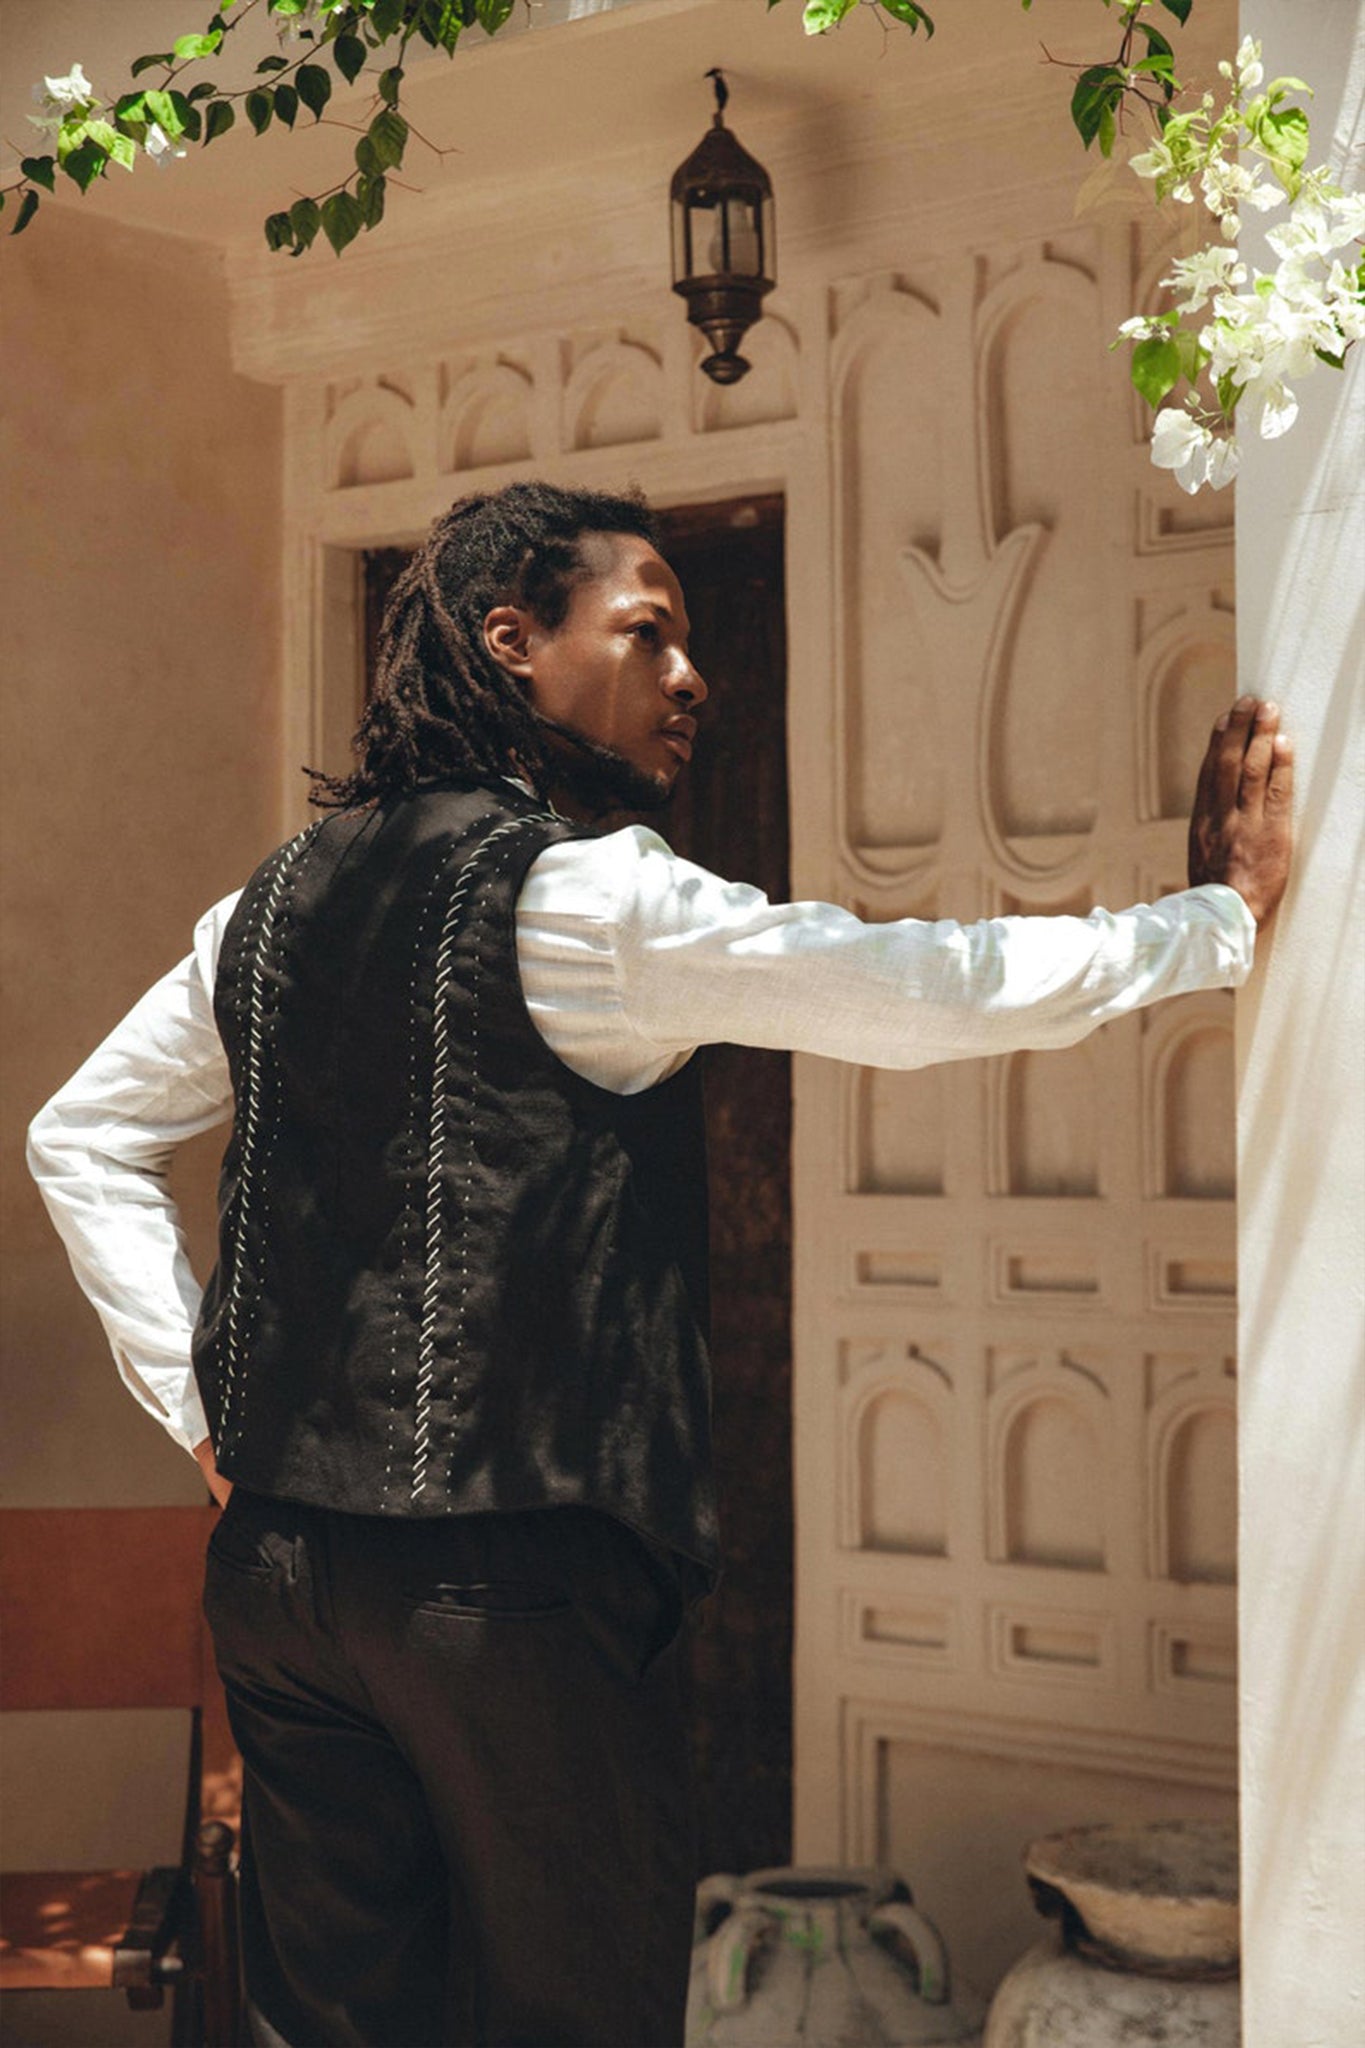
(632, 957)
(101, 1151)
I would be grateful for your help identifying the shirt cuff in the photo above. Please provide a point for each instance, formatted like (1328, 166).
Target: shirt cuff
(1235, 922)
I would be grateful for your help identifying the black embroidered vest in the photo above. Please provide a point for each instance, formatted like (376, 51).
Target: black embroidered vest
(452, 1274)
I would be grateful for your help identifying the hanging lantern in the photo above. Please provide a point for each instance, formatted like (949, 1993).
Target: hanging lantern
(724, 253)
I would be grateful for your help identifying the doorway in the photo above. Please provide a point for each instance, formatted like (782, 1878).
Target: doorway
(730, 814)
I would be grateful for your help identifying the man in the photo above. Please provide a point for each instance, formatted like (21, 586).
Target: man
(448, 1379)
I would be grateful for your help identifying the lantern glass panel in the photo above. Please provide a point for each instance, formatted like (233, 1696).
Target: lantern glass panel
(682, 267)
(742, 236)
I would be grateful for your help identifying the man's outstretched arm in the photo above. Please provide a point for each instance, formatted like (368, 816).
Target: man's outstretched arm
(632, 957)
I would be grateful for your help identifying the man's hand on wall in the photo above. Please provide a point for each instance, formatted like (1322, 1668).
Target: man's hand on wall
(1241, 825)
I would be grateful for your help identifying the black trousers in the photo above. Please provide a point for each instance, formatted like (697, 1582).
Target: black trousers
(468, 1807)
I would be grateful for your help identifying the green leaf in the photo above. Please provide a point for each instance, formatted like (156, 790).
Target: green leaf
(150, 63)
(272, 64)
(40, 170)
(342, 219)
(1285, 135)
(367, 158)
(259, 108)
(222, 115)
(69, 138)
(121, 149)
(1107, 130)
(1157, 45)
(910, 13)
(1192, 356)
(28, 206)
(389, 83)
(1098, 91)
(1229, 392)
(386, 16)
(203, 91)
(86, 163)
(285, 7)
(305, 218)
(1179, 8)
(491, 14)
(314, 86)
(191, 120)
(818, 17)
(369, 193)
(279, 231)
(1332, 362)
(131, 111)
(1155, 368)
(286, 104)
(388, 132)
(162, 107)
(188, 48)
(348, 54)
(440, 23)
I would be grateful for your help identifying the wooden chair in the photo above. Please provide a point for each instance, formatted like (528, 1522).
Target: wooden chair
(100, 1609)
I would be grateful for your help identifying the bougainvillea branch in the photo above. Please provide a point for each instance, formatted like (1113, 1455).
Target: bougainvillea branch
(337, 39)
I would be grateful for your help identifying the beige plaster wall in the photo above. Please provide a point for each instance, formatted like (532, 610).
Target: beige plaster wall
(139, 553)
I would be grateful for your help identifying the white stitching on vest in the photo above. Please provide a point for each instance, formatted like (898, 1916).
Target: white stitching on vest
(410, 1222)
(251, 1108)
(426, 1342)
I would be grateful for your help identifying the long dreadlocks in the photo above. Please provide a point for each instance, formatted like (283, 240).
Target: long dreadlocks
(442, 706)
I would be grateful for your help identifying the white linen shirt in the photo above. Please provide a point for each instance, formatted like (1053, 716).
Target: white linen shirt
(630, 959)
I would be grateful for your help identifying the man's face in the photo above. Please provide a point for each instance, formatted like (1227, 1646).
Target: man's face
(614, 673)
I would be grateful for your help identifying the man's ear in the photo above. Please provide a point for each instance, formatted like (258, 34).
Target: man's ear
(507, 634)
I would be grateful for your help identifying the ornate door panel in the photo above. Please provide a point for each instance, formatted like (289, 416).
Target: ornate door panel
(1015, 1501)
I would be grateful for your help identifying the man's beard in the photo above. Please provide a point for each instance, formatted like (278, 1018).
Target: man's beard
(599, 778)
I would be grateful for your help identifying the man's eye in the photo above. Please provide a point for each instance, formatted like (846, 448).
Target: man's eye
(647, 631)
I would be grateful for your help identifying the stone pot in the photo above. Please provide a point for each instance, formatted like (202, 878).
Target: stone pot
(821, 1958)
(1146, 1946)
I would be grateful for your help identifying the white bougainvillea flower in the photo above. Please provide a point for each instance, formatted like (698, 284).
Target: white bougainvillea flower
(1151, 163)
(159, 146)
(73, 90)
(1202, 276)
(56, 96)
(1272, 407)
(1318, 226)
(1250, 70)
(1140, 328)
(1345, 301)
(1182, 445)
(1228, 186)
(1225, 459)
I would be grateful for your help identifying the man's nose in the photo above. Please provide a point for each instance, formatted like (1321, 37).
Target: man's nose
(684, 684)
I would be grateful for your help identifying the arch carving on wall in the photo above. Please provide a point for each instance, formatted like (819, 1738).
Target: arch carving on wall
(486, 419)
(1192, 1479)
(370, 438)
(1044, 1136)
(1189, 1148)
(1187, 673)
(888, 797)
(911, 1396)
(1040, 799)
(771, 391)
(1048, 1451)
(613, 397)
